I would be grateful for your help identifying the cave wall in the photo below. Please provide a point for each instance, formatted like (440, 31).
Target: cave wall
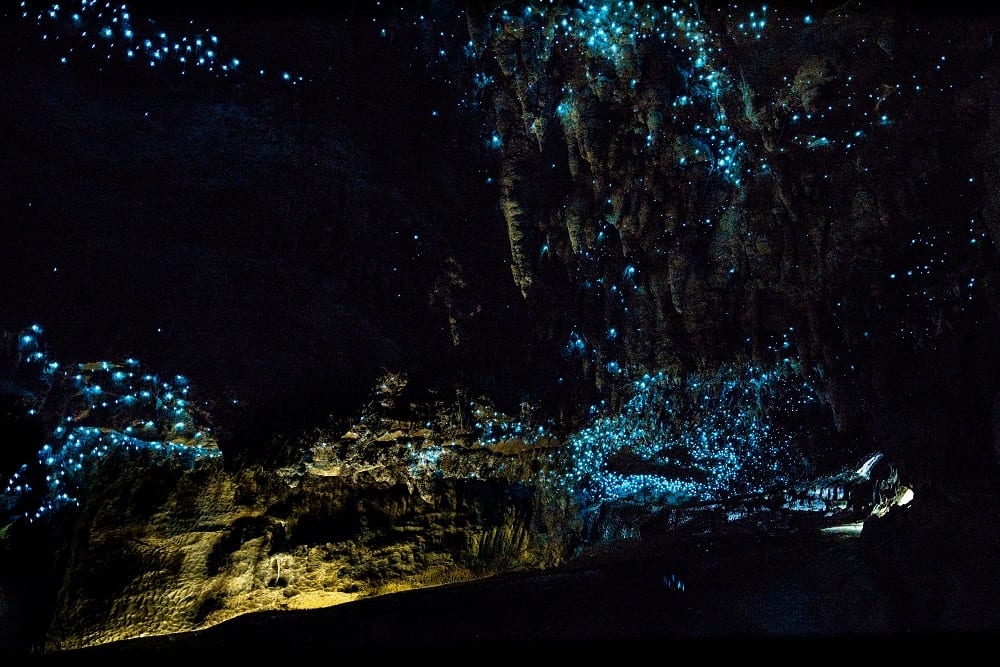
(682, 189)
(161, 546)
(699, 187)
(543, 214)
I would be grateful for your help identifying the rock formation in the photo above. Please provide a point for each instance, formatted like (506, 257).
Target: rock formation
(330, 306)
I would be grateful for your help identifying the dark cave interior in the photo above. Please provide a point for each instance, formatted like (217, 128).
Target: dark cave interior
(693, 253)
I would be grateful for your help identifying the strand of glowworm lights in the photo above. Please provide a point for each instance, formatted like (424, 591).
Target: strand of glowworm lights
(715, 425)
(89, 27)
(136, 411)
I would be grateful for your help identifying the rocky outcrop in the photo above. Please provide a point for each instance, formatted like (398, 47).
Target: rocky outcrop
(130, 522)
(161, 546)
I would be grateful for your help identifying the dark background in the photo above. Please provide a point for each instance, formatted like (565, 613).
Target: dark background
(282, 246)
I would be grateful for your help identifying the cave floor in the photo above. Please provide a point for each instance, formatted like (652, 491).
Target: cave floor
(768, 591)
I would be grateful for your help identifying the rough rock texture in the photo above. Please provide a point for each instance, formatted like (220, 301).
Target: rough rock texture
(405, 498)
(158, 547)
(906, 584)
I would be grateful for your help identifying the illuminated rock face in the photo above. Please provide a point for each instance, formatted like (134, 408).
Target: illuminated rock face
(338, 540)
(162, 546)
(157, 536)
(160, 537)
